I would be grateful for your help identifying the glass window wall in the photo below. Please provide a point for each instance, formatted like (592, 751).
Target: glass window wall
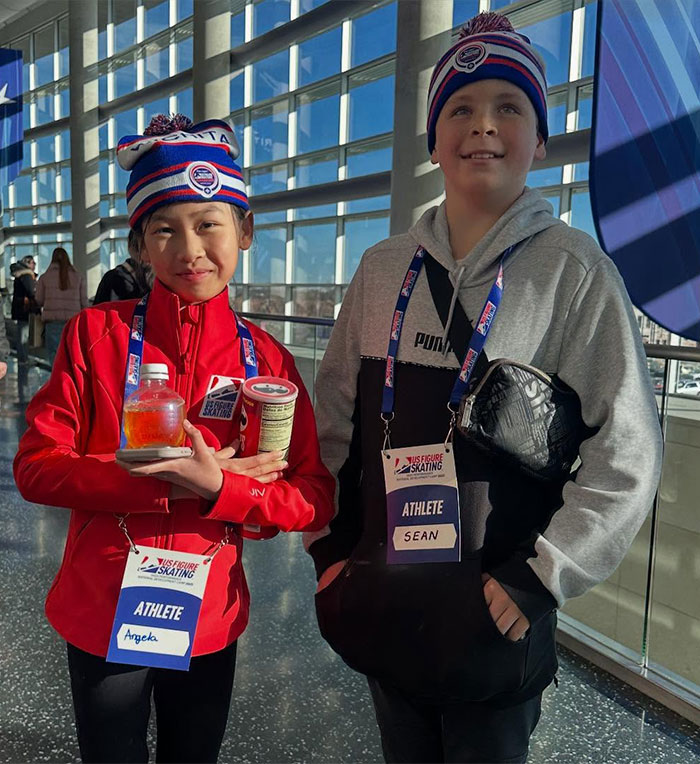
(318, 116)
(374, 34)
(319, 57)
(371, 98)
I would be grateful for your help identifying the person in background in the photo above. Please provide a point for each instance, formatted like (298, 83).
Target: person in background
(23, 302)
(62, 293)
(4, 344)
(128, 280)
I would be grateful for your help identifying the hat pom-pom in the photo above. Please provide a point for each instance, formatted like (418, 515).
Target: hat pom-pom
(486, 22)
(162, 124)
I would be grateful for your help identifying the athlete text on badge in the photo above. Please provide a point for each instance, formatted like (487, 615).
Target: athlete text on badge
(416, 508)
(159, 610)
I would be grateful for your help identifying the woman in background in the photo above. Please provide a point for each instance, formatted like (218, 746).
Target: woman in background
(23, 302)
(62, 293)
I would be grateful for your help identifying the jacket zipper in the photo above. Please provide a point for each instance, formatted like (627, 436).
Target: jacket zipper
(183, 387)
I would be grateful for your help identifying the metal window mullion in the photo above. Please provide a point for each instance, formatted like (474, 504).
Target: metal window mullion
(57, 114)
(293, 67)
(344, 111)
(56, 57)
(58, 183)
(111, 174)
(571, 117)
(577, 32)
(140, 22)
(139, 53)
(247, 139)
(172, 52)
(140, 71)
(110, 33)
(32, 63)
(248, 22)
(292, 125)
(111, 132)
(247, 86)
(346, 46)
(32, 83)
(565, 209)
(289, 280)
(245, 253)
(339, 250)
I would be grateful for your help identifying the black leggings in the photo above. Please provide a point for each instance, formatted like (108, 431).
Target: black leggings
(112, 703)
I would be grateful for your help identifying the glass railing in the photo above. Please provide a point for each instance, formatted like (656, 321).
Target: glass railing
(647, 614)
(648, 611)
(305, 338)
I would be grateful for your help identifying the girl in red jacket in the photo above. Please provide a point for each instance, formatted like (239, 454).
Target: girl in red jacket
(188, 209)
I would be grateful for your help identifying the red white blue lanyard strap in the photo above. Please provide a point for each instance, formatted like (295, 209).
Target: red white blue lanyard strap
(476, 344)
(135, 354)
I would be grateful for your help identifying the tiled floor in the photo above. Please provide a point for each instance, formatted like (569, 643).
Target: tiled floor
(294, 700)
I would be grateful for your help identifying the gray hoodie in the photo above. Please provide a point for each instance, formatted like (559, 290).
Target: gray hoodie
(564, 310)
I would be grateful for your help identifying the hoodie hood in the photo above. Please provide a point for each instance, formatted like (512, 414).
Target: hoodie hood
(528, 215)
(21, 271)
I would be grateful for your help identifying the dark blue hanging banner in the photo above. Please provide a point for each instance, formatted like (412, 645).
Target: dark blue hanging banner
(11, 123)
(645, 154)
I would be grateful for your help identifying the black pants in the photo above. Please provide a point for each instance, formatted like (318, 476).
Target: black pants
(112, 703)
(478, 733)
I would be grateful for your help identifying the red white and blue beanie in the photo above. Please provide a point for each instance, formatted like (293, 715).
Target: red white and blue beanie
(488, 48)
(176, 161)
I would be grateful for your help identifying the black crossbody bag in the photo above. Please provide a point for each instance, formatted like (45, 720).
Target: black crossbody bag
(515, 411)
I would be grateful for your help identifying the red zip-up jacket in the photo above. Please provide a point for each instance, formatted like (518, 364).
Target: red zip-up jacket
(66, 458)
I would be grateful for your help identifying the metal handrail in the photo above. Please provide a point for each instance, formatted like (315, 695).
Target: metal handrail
(672, 352)
(668, 352)
(289, 319)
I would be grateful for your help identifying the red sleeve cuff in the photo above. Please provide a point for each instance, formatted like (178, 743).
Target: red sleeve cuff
(235, 499)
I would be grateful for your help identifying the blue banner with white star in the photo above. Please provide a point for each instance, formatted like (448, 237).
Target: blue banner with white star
(645, 158)
(11, 127)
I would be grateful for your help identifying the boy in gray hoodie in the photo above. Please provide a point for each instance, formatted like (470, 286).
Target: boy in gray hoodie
(458, 649)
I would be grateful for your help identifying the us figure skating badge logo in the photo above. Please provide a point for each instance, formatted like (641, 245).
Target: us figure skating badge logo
(221, 398)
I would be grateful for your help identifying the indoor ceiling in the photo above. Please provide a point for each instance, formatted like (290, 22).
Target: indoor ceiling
(10, 9)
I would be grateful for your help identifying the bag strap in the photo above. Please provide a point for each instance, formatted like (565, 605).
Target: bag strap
(461, 330)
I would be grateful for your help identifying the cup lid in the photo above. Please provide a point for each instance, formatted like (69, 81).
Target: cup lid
(270, 389)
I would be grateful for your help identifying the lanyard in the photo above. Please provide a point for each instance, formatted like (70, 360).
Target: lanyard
(135, 353)
(476, 343)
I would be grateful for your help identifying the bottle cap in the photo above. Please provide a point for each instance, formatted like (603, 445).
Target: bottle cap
(155, 371)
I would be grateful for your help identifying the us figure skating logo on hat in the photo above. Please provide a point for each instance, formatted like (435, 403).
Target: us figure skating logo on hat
(470, 56)
(203, 178)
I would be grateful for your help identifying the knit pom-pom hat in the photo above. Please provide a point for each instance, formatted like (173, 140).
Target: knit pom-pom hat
(176, 161)
(488, 48)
